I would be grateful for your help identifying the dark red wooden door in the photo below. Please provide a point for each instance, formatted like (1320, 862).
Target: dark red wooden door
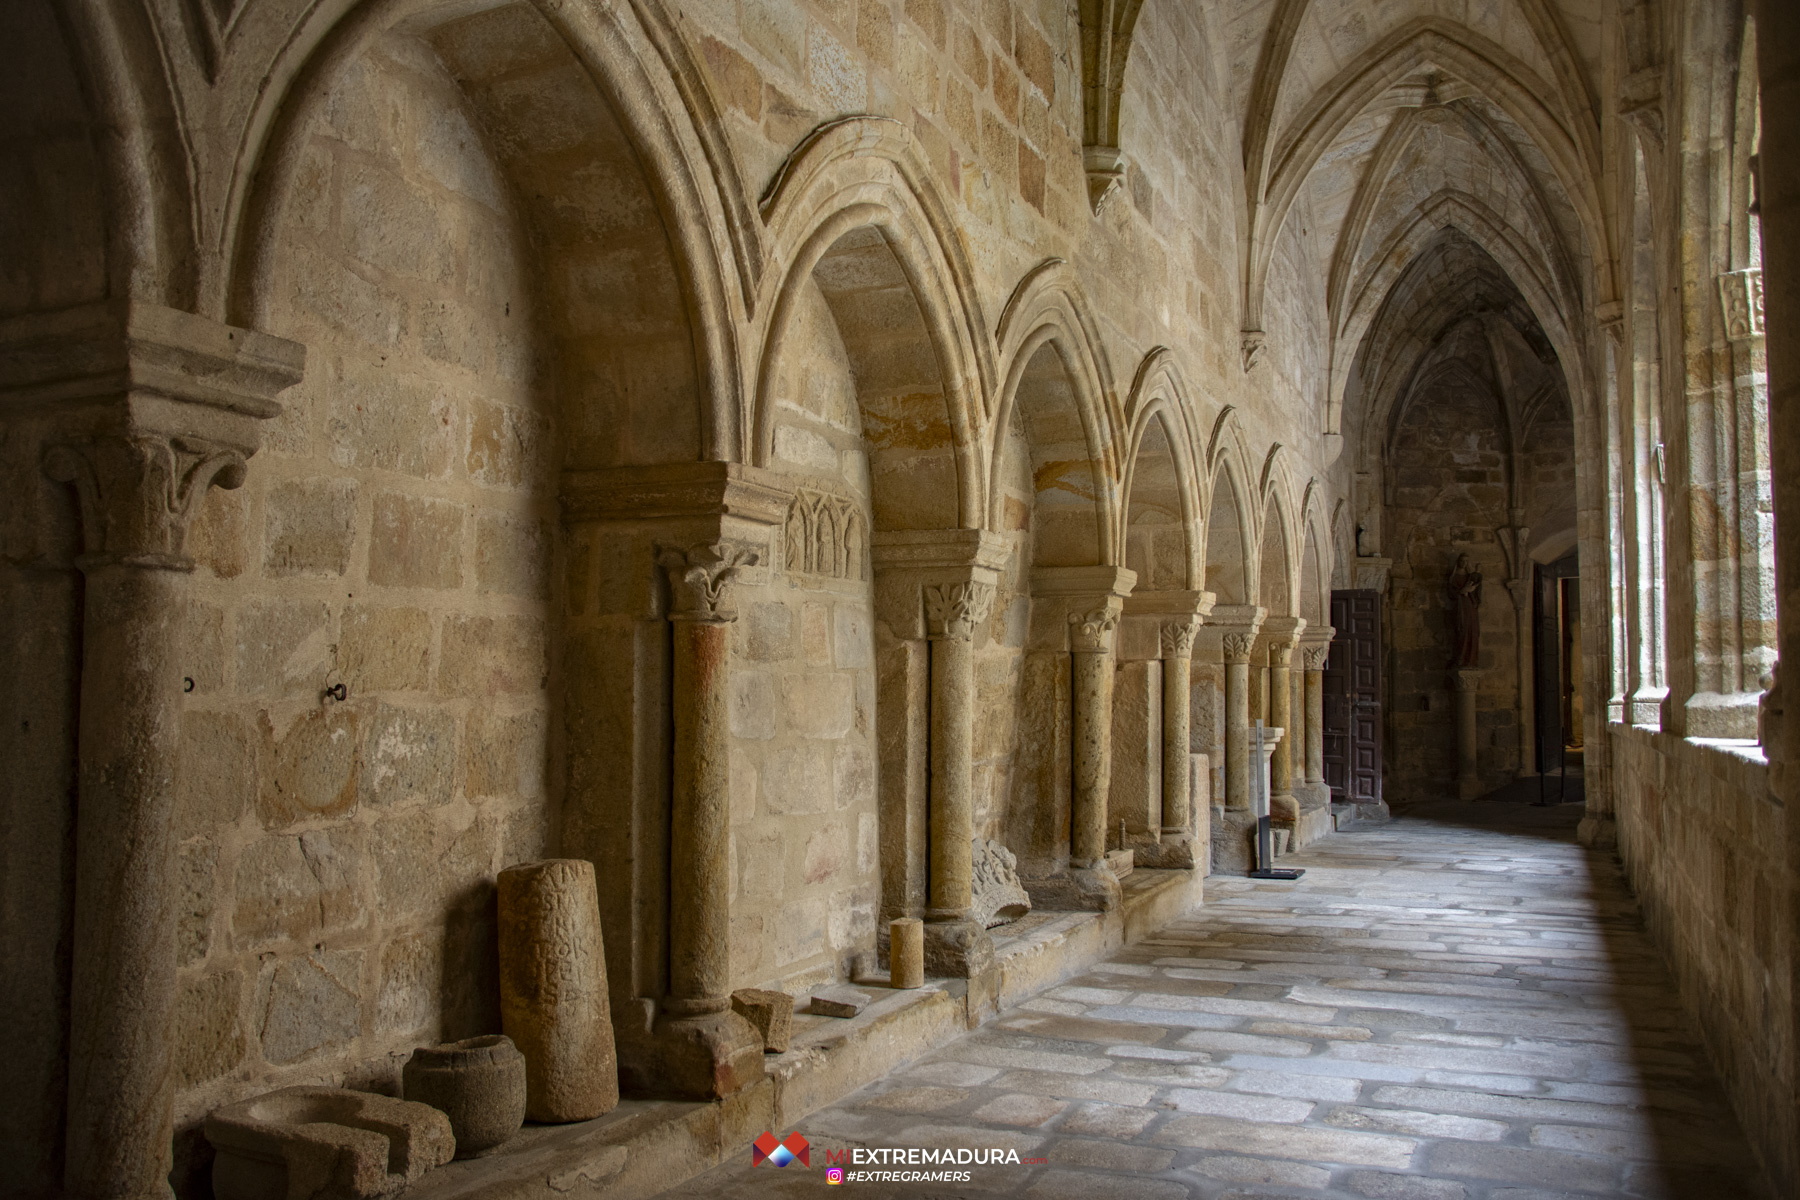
(1353, 698)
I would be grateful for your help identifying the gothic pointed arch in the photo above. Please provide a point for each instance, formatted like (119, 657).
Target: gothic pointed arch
(677, 224)
(860, 187)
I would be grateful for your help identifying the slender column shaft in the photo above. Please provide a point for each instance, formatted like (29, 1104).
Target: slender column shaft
(1281, 716)
(952, 766)
(1237, 720)
(1177, 668)
(1091, 716)
(699, 915)
(122, 979)
(1315, 717)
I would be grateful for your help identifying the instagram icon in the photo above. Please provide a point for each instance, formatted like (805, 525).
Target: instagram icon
(834, 1175)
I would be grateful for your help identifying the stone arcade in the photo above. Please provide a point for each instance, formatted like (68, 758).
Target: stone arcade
(829, 463)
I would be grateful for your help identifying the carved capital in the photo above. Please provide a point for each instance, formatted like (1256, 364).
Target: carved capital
(1092, 632)
(699, 577)
(1314, 658)
(1281, 654)
(1178, 638)
(139, 492)
(953, 610)
(1521, 593)
(1741, 298)
(1237, 647)
(1251, 345)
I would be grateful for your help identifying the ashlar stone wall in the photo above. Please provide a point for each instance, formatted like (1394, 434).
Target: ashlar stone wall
(337, 855)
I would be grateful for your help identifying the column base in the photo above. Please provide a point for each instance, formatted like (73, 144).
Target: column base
(1079, 889)
(700, 1056)
(1468, 787)
(1284, 808)
(1175, 852)
(1598, 832)
(957, 949)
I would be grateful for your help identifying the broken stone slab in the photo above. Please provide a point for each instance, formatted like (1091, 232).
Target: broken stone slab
(324, 1143)
(998, 897)
(1122, 862)
(771, 1013)
(839, 1002)
(479, 1083)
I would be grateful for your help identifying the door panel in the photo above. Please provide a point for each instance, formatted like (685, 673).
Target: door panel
(1353, 698)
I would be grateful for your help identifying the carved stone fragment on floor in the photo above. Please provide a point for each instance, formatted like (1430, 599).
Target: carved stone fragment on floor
(771, 1013)
(324, 1143)
(553, 1001)
(999, 897)
(838, 1002)
(479, 1083)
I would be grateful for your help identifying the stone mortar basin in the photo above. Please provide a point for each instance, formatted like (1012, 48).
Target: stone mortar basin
(479, 1083)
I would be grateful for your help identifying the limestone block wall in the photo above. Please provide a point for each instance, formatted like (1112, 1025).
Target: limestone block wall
(1704, 843)
(805, 877)
(337, 856)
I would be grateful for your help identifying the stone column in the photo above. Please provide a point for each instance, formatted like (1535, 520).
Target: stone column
(1177, 665)
(954, 943)
(711, 1049)
(1282, 804)
(1237, 719)
(1090, 680)
(1313, 664)
(1468, 778)
(143, 409)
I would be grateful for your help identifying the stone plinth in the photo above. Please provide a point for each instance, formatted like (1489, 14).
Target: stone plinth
(1468, 775)
(553, 1001)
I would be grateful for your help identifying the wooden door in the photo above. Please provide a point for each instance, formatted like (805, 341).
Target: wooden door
(1549, 661)
(1353, 698)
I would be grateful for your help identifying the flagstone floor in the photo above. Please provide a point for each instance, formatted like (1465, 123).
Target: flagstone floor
(1457, 1006)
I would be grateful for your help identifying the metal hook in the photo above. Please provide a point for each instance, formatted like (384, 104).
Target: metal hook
(187, 683)
(337, 691)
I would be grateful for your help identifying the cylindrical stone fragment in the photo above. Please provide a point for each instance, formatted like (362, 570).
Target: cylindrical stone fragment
(553, 1001)
(906, 953)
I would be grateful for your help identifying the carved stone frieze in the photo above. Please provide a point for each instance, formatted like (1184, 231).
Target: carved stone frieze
(1741, 297)
(952, 610)
(699, 577)
(825, 535)
(1092, 632)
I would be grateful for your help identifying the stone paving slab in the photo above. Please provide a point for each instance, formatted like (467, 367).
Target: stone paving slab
(1457, 1006)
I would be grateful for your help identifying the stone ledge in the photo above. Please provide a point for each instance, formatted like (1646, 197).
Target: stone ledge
(645, 1147)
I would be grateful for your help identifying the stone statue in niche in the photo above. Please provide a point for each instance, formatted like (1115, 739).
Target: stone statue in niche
(1465, 609)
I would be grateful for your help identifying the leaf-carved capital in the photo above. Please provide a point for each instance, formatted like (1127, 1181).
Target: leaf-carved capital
(1237, 647)
(1314, 658)
(953, 610)
(700, 577)
(139, 492)
(1092, 632)
(1177, 638)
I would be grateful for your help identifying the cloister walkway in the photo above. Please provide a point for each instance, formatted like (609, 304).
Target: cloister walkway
(1460, 1005)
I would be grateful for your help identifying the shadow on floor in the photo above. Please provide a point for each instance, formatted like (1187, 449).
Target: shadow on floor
(1699, 1147)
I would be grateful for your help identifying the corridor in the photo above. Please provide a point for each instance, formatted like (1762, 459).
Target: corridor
(1460, 1005)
